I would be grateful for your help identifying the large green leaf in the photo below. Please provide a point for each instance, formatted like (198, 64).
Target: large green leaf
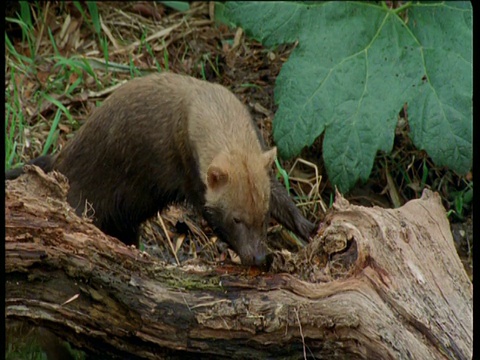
(355, 66)
(441, 115)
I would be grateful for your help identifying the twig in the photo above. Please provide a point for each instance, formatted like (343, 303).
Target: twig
(158, 34)
(168, 238)
(109, 34)
(301, 334)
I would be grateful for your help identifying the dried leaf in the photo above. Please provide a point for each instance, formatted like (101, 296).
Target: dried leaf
(148, 11)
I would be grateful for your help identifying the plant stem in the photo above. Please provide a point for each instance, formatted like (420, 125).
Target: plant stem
(403, 7)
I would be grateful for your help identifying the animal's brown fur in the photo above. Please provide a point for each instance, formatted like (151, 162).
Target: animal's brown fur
(166, 138)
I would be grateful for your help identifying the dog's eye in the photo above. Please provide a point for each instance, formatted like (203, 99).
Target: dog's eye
(236, 220)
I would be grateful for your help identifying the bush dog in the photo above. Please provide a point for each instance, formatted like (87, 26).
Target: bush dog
(167, 138)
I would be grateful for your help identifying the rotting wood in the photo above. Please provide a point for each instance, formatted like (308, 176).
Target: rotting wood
(374, 284)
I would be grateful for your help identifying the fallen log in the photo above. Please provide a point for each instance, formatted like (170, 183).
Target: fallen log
(373, 284)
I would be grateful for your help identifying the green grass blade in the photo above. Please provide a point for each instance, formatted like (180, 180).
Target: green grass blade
(283, 174)
(180, 6)
(52, 132)
(93, 10)
(79, 7)
(60, 106)
(54, 44)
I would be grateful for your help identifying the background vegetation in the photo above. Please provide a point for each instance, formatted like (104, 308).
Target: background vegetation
(64, 58)
(356, 66)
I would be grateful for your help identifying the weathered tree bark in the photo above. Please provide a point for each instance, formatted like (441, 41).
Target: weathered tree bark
(374, 284)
